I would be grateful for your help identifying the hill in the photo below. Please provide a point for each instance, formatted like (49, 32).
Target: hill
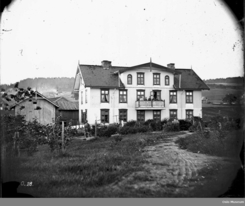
(231, 82)
(50, 87)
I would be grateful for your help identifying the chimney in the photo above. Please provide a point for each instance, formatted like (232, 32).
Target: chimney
(171, 66)
(106, 64)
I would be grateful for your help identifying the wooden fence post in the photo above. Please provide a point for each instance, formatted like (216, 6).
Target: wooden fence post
(62, 136)
(17, 143)
(95, 130)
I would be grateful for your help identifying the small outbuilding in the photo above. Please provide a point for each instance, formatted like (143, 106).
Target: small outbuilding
(39, 108)
(68, 110)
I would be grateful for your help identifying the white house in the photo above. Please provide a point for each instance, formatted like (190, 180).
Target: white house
(148, 91)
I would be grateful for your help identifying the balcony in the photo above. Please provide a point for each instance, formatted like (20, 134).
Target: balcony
(150, 105)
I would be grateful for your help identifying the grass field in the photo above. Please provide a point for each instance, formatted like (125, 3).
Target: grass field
(219, 94)
(228, 111)
(85, 170)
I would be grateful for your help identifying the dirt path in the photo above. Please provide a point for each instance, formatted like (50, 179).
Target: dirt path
(174, 172)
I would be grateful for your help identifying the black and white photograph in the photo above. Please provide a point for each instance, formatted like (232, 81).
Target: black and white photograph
(122, 99)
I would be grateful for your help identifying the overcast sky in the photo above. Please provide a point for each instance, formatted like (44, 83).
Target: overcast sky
(47, 38)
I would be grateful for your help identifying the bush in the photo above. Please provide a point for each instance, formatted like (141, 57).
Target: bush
(127, 130)
(154, 124)
(131, 123)
(107, 131)
(212, 145)
(171, 127)
(143, 129)
(164, 121)
(184, 125)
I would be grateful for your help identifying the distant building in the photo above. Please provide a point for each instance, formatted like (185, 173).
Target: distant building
(110, 94)
(68, 111)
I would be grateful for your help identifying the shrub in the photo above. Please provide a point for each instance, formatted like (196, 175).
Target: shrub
(107, 131)
(212, 145)
(184, 125)
(131, 123)
(143, 129)
(127, 130)
(155, 125)
(171, 127)
(164, 121)
(112, 129)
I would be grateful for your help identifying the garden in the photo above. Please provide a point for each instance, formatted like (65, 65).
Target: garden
(87, 168)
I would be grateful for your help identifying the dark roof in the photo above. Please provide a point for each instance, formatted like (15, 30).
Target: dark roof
(39, 96)
(65, 104)
(96, 76)
(189, 80)
(54, 99)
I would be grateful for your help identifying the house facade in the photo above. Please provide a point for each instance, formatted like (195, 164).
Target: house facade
(111, 94)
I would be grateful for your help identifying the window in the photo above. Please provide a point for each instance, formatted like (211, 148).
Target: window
(122, 115)
(173, 97)
(156, 79)
(189, 96)
(166, 80)
(86, 97)
(157, 115)
(140, 78)
(173, 113)
(140, 95)
(122, 96)
(157, 94)
(81, 97)
(104, 95)
(140, 116)
(189, 114)
(104, 115)
(129, 79)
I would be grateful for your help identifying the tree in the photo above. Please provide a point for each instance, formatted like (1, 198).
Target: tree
(17, 95)
(230, 98)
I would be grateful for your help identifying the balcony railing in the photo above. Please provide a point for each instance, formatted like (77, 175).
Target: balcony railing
(150, 104)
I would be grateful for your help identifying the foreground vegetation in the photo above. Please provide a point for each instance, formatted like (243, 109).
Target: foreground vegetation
(229, 147)
(220, 136)
(85, 170)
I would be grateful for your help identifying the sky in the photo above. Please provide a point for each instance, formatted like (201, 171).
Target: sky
(43, 38)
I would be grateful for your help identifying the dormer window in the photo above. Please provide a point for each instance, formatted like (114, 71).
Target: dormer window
(166, 80)
(129, 79)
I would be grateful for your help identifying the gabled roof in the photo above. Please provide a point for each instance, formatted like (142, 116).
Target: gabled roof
(189, 80)
(65, 104)
(148, 65)
(96, 76)
(39, 96)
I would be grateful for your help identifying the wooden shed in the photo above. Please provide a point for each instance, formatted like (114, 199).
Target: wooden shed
(39, 108)
(68, 110)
